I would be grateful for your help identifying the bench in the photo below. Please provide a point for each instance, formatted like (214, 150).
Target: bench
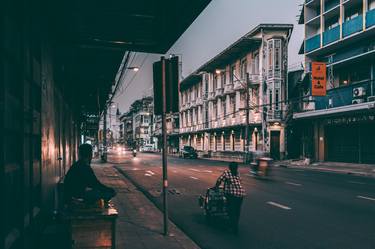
(88, 227)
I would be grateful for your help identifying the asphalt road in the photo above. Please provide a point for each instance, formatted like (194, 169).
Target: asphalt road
(294, 209)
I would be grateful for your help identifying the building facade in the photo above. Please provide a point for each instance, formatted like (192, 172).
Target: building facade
(340, 125)
(213, 106)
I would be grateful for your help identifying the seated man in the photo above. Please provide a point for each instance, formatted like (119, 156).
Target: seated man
(81, 182)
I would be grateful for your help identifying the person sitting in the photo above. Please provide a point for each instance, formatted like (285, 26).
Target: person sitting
(234, 193)
(80, 182)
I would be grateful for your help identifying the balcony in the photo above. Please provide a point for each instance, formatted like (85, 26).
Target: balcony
(341, 96)
(274, 115)
(352, 26)
(193, 103)
(331, 35)
(211, 95)
(199, 101)
(370, 18)
(228, 88)
(238, 85)
(219, 92)
(312, 43)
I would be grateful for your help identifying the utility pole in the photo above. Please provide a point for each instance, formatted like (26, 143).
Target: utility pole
(104, 156)
(164, 134)
(247, 118)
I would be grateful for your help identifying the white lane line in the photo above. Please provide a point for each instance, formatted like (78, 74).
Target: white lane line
(278, 205)
(148, 175)
(207, 171)
(366, 198)
(293, 183)
(174, 171)
(196, 170)
(354, 182)
(150, 172)
(192, 177)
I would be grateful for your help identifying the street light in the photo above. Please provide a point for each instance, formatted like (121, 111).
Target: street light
(135, 69)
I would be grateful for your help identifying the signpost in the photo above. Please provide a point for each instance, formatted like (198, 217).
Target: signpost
(165, 101)
(319, 79)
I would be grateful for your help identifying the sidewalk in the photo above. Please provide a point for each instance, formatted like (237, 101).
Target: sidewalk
(336, 167)
(140, 223)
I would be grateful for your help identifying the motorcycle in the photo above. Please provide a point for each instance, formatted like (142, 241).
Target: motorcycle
(261, 167)
(134, 153)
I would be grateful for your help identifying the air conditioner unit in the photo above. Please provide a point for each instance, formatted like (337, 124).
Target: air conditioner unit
(358, 101)
(370, 98)
(359, 92)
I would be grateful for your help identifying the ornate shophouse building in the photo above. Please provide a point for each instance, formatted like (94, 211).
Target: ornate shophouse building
(213, 106)
(341, 125)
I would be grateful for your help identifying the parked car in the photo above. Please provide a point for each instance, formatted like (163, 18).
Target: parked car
(188, 152)
(147, 148)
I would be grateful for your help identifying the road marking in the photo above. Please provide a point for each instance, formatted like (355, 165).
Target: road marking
(148, 175)
(365, 197)
(150, 172)
(294, 184)
(196, 170)
(192, 177)
(174, 171)
(278, 205)
(207, 171)
(354, 182)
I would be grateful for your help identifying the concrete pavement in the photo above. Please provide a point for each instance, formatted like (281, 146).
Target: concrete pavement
(140, 223)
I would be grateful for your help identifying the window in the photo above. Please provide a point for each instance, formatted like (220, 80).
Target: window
(277, 99)
(243, 69)
(232, 73)
(255, 65)
(277, 54)
(233, 104)
(270, 102)
(214, 83)
(223, 78)
(224, 109)
(270, 56)
(215, 110)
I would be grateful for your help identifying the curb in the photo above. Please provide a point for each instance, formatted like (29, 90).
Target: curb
(153, 201)
(343, 172)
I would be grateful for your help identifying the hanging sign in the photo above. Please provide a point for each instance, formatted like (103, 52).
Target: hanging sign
(319, 79)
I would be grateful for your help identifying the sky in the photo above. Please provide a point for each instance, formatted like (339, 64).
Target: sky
(217, 27)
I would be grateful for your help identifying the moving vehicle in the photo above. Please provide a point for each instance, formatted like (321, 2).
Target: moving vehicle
(188, 152)
(134, 153)
(261, 167)
(214, 203)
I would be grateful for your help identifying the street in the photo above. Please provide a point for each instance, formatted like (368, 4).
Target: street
(295, 209)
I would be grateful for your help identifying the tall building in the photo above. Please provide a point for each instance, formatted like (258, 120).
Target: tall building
(213, 102)
(340, 125)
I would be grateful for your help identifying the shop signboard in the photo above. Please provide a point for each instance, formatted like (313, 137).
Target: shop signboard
(319, 79)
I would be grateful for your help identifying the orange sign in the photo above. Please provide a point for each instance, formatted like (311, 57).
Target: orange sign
(319, 79)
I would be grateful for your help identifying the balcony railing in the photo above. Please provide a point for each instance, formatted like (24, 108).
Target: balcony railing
(219, 91)
(211, 95)
(370, 18)
(331, 35)
(312, 43)
(275, 115)
(228, 88)
(341, 96)
(352, 26)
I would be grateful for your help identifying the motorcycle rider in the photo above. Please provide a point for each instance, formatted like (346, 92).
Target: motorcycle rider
(234, 193)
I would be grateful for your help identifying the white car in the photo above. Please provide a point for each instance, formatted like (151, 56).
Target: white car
(147, 148)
